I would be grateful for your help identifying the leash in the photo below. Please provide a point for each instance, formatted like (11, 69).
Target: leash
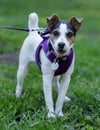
(42, 31)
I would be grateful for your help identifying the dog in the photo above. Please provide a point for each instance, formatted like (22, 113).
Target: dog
(59, 46)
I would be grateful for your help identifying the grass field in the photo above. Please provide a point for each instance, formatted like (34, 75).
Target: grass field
(28, 112)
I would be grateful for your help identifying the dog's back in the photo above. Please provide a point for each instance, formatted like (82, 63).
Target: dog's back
(27, 53)
(33, 39)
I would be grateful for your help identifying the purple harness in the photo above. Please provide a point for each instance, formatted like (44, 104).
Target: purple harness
(64, 62)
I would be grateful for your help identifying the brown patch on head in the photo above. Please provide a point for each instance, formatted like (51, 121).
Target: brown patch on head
(70, 36)
(71, 40)
(54, 35)
(76, 22)
(52, 38)
(51, 20)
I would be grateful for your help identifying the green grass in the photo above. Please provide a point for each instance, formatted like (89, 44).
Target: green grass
(29, 112)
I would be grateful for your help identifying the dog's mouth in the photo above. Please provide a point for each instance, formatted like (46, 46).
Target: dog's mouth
(61, 51)
(64, 51)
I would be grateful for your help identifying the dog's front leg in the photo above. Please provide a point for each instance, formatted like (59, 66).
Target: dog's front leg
(47, 86)
(62, 92)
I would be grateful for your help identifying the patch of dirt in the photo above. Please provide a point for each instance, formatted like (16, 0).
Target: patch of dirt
(9, 58)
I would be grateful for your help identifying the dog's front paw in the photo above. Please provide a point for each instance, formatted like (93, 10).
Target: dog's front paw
(51, 115)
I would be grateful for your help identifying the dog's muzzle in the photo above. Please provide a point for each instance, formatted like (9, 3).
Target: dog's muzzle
(61, 48)
(61, 45)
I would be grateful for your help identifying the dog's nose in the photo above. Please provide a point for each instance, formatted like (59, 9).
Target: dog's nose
(61, 45)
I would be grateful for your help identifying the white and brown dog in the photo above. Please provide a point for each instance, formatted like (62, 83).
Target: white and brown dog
(53, 54)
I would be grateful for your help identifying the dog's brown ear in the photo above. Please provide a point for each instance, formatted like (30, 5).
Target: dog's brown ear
(76, 22)
(51, 20)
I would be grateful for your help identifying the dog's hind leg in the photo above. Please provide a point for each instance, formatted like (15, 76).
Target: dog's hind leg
(27, 53)
(57, 86)
(22, 70)
(56, 83)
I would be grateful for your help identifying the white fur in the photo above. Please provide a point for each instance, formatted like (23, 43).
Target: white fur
(27, 55)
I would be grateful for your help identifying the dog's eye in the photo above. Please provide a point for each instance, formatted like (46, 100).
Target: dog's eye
(56, 33)
(69, 34)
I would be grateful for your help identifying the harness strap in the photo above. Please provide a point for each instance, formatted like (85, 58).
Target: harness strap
(49, 53)
(65, 64)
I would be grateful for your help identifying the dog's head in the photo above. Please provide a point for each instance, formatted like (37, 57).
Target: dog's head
(63, 33)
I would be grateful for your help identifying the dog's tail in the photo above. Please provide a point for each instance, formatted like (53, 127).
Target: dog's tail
(33, 21)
